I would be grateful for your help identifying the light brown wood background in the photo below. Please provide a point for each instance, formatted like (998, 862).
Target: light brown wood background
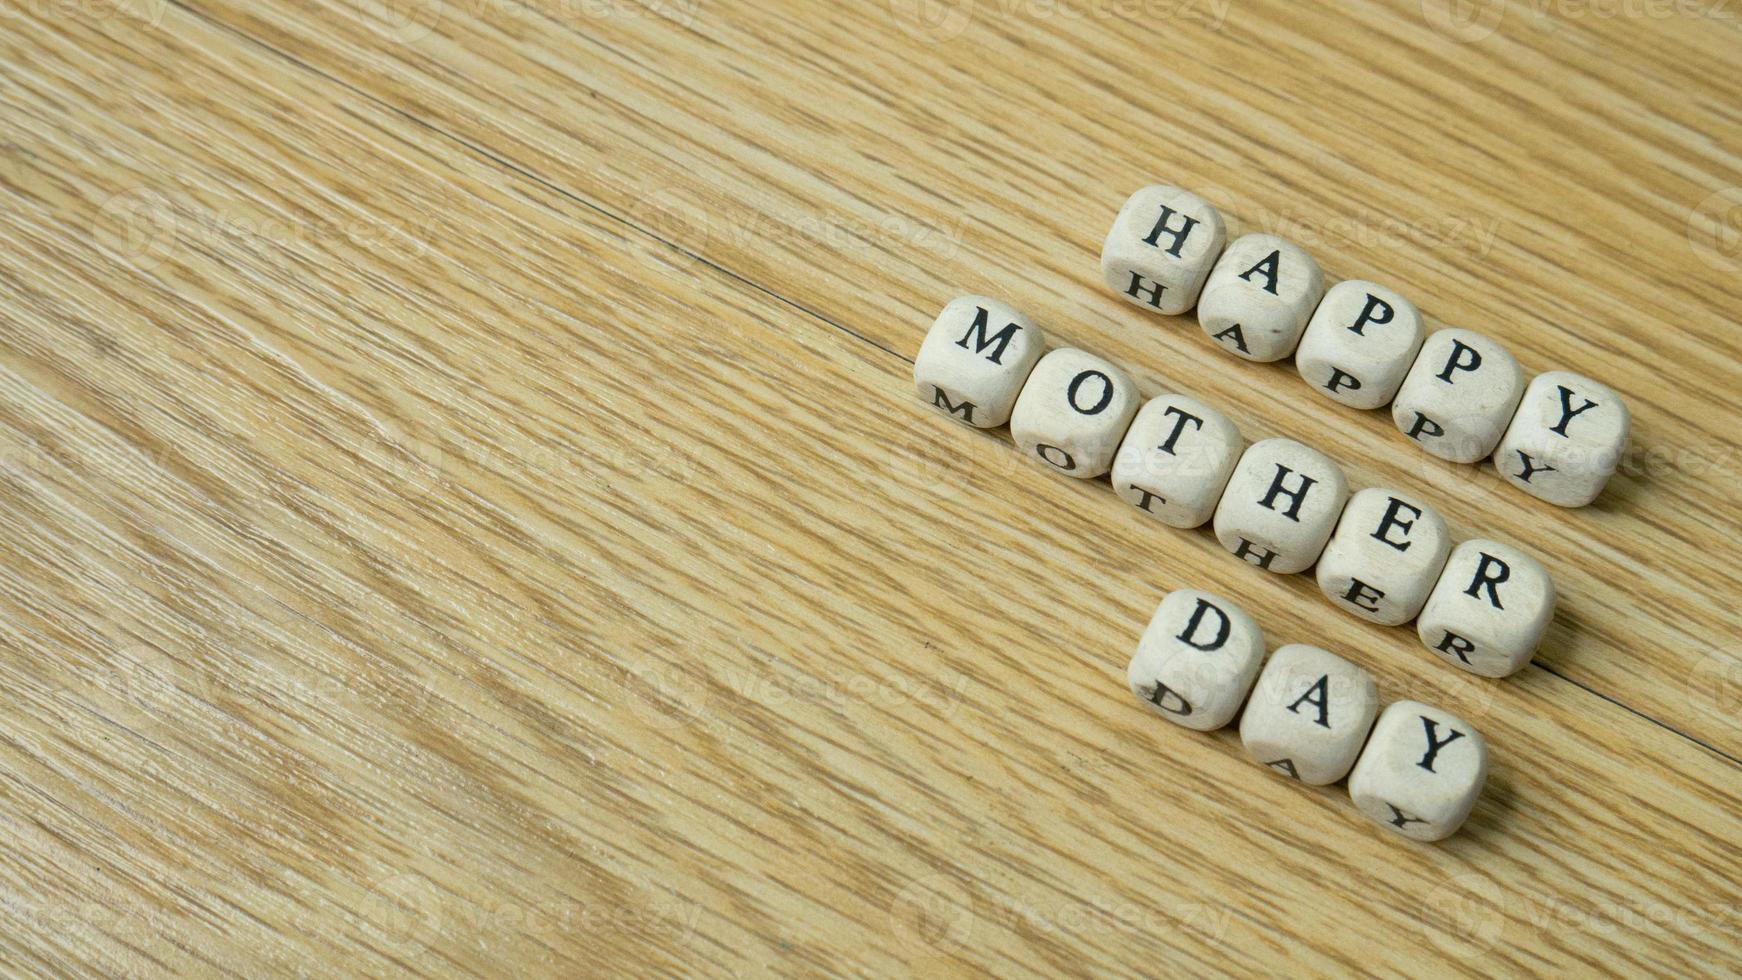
(463, 508)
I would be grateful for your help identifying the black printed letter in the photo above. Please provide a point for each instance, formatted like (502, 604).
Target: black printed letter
(1318, 697)
(1223, 627)
(1295, 497)
(1502, 572)
(1177, 235)
(978, 331)
(1434, 743)
(1390, 521)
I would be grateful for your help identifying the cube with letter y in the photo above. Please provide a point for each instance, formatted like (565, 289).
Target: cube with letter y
(1421, 772)
(1565, 440)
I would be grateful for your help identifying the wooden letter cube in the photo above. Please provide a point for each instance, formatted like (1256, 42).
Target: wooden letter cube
(1421, 772)
(1161, 248)
(1459, 395)
(1566, 439)
(1489, 609)
(1309, 714)
(1196, 660)
(1359, 344)
(975, 359)
(1259, 297)
(1280, 506)
(1384, 557)
(1176, 459)
(1073, 412)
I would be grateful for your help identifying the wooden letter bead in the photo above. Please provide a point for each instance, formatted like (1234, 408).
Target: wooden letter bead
(1196, 660)
(1489, 609)
(1280, 505)
(1459, 395)
(1161, 248)
(1359, 344)
(1259, 297)
(1176, 459)
(1309, 714)
(1421, 772)
(1566, 439)
(1385, 556)
(975, 358)
(1073, 412)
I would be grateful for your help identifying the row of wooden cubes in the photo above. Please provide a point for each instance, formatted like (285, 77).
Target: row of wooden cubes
(1311, 715)
(1383, 555)
(1457, 393)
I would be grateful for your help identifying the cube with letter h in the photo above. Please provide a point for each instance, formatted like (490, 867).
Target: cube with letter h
(1161, 248)
(1281, 505)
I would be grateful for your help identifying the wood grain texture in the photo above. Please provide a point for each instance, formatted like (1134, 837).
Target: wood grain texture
(466, 511)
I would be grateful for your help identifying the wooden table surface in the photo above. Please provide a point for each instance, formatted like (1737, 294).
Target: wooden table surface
(465, 510)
